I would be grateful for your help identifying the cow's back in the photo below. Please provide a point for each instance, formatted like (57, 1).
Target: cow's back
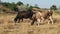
(46, 13)
(25, 14)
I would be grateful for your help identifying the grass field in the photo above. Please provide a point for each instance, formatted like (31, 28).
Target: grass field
(7, 26)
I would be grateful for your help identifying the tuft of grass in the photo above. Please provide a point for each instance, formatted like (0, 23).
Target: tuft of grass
(57, 11)
(1, 21)
(30, 32)
(9, 27)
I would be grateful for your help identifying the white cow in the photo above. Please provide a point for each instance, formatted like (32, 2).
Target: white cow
(41, 15)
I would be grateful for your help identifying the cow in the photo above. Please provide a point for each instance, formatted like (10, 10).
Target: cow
(41, 15)
(23, 14)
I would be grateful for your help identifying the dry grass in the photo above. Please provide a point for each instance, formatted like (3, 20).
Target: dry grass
(7, 26)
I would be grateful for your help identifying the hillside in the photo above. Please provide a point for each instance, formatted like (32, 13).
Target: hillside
(6, 10)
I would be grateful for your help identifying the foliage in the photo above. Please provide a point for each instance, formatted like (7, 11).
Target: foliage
(9, 5)
(36, 6)
(12, 5)
(53, 7)
(19, 3)
(22, 7)
(30, 8)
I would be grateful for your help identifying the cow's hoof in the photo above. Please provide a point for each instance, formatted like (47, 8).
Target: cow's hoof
(31, 24)
(52, 23)
(48, 23)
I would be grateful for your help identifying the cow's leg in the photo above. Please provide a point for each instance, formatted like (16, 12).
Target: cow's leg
(33, 21)
(19, 20)
(22, 19)
(42, 19)
(15, 19)
(51, 19)
(38, 21)
(48, 21)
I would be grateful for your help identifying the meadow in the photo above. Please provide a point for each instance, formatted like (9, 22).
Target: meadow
(7, 26)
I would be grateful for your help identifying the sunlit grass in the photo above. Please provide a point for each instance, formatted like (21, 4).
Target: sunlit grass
(7, 26)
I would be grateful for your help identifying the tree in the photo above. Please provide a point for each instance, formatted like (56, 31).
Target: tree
(36, 6)
(27, 5)
(0, 2)
(19, 3)
(53, 7)
(30, 8)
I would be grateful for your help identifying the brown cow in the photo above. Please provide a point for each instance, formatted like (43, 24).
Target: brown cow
(47, 14)
(41, 15)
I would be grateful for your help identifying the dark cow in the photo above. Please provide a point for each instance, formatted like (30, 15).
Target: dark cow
(23, 14)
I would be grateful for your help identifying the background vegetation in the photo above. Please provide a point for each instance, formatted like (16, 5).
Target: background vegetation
(12, 7)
